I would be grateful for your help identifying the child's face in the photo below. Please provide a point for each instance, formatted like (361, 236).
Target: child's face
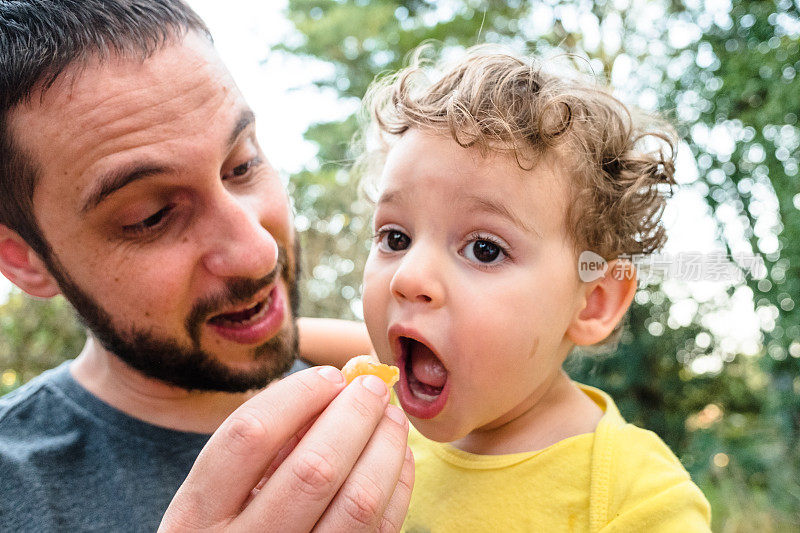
(470, 285)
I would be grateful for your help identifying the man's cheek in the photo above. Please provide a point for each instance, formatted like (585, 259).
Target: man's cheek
(157, 311)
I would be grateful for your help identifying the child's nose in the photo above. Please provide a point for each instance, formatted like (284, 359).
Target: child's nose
(417, 282)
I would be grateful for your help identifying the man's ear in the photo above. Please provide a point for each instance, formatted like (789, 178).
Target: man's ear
(23, 267)
(605, 301)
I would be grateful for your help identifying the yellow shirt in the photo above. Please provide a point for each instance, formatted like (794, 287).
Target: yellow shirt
(619, 478)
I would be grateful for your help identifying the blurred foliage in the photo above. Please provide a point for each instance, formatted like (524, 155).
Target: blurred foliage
(719, 71)
(727, 74)
(35, 335)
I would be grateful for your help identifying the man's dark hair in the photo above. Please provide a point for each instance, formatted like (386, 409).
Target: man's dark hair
(40, 39)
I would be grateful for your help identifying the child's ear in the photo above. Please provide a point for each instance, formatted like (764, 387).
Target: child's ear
(23, 267)
(605, 301)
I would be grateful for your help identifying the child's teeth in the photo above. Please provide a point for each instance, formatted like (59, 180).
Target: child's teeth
(425, 397)
(422, 391)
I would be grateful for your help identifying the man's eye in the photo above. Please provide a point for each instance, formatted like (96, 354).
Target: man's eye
(150, 223)
(242, 169)
(484, 251)
(393, 240)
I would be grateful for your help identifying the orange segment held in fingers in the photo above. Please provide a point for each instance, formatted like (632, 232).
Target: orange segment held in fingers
(365, 364)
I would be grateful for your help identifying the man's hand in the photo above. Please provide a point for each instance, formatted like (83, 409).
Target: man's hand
(300, 456)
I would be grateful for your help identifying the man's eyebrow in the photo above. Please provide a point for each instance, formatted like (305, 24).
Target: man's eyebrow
(488, 205)
(118, 178)
(246, 118)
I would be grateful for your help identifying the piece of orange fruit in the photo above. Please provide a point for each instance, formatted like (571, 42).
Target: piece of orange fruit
(366, 364)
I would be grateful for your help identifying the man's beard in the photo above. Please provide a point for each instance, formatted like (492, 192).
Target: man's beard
(193, 368)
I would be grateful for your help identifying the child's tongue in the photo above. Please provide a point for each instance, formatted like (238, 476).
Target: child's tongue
(426, 367)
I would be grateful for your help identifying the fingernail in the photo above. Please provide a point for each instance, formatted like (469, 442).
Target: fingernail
(331, 374)
(394, 413)
(375, 385)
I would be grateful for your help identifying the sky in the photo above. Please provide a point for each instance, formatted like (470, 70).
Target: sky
(278, 88)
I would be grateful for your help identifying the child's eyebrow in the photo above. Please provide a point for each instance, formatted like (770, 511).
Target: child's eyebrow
(488, 205)
(391, 197)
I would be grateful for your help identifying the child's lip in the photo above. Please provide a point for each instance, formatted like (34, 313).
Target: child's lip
(397, 332)
(413, 406)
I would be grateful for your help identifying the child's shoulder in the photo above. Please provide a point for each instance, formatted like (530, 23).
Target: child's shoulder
(647, 484)
(629, 447)
(635, 475)
(638, 450)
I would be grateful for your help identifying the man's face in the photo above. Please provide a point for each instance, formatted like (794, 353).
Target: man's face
(171, 233)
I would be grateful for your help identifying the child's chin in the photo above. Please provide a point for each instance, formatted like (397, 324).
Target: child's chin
(436, 431)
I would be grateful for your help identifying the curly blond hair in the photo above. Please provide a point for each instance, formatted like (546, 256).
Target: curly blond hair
(503, 103)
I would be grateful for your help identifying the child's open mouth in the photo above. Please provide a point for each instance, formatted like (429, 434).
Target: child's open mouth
(423, 384)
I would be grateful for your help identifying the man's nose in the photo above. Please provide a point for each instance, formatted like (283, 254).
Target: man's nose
(239, 245)
(418, 279)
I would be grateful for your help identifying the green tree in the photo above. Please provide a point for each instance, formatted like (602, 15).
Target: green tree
(708, 67)
(35, 335)
(743, 84)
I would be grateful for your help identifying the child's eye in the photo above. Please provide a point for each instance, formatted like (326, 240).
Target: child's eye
(393, 240)
(484, 251)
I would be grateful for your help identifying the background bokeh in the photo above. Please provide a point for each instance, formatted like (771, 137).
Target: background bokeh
(708, 362)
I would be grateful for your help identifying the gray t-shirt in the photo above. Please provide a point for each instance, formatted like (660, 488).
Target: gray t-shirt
(69, 462)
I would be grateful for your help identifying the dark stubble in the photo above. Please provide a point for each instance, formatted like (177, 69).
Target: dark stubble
(192, 368)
